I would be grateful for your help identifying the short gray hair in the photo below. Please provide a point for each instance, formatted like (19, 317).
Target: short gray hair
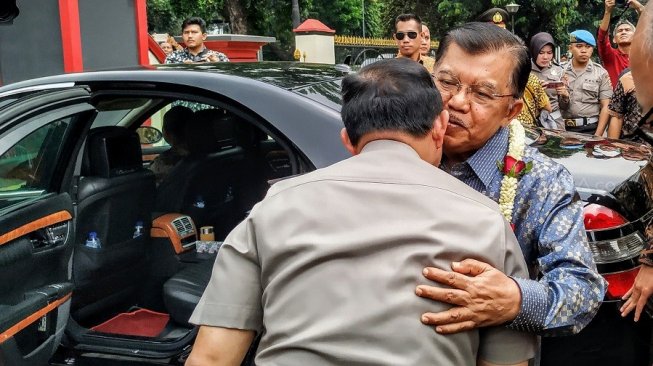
(620, 23)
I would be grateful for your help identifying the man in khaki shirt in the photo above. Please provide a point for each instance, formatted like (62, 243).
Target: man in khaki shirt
(408, 34)
(325, 267)
(588, 85)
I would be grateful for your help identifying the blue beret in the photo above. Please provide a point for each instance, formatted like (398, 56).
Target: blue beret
(581, 35)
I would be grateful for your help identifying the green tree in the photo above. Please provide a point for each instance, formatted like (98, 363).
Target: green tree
(166, 16)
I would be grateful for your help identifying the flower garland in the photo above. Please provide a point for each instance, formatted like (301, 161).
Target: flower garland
(512, 168)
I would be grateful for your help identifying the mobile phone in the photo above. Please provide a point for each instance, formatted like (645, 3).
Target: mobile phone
(554, 84)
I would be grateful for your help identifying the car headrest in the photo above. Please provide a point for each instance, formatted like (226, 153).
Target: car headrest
(112, 151)
(210, 131)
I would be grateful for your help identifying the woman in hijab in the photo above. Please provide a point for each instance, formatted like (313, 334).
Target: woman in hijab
(551, 75)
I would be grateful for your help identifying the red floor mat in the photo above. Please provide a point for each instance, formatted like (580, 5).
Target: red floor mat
(142, 322)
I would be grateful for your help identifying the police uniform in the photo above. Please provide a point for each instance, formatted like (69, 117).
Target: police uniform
(292, 270)
(426, 61)
(587, 88)
(497, 16)
(552, 73)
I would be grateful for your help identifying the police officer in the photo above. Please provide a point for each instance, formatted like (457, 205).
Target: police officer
(497, 16)
(550, 74)
(589, 87)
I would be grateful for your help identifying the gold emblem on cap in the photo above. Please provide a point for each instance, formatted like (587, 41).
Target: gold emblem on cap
(572, 38)
(497, 18)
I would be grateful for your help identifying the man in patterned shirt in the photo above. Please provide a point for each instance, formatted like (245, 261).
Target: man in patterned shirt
(481, 71)
(193, 32)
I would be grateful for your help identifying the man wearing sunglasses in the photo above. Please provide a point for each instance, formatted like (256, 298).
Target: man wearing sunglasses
(408, 34)
(481, 72)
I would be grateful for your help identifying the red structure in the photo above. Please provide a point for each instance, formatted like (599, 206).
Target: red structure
(313, 26)
(238, 47)
(58, 36)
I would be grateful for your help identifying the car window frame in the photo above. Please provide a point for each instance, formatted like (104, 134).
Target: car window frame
(32, 123)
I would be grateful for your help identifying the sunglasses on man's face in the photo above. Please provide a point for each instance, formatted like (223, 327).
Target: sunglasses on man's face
(400, 35)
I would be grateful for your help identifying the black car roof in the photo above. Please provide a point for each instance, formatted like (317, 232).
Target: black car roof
(287, 75)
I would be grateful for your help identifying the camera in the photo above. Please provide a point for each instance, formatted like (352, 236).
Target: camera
(621, 3)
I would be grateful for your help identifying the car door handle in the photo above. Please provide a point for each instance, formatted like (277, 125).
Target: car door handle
(50, 237)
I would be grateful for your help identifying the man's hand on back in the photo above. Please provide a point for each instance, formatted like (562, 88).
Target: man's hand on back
(481, 295)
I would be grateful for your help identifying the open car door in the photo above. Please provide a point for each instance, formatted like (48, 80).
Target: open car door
(39, 135)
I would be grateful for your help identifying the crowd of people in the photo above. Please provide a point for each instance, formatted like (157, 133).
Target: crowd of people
(576, 94)
(487, 296)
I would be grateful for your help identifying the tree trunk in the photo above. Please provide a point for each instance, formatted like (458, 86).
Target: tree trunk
(295, 14)
(237, 16)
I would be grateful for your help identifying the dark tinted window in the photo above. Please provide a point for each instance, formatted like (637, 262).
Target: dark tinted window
(26, 169)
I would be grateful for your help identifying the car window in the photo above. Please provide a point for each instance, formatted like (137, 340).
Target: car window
(27, 167)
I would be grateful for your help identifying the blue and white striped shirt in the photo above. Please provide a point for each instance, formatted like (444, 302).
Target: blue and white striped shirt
(565, 289)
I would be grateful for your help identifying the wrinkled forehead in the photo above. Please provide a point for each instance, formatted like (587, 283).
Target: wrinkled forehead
(491, 68)
(624, 26)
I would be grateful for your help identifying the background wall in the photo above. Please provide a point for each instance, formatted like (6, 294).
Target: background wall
(108, 38)
(31, 46)
(55, 36)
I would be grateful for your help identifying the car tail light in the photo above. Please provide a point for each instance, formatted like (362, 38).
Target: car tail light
(615, 250)
(597, 217)
(615, 245)
(619, 283)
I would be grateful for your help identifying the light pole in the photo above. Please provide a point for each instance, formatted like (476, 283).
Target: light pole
(512, 9)
(363, 2)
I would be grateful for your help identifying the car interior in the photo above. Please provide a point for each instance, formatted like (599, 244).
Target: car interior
(228, 166)
(135, 260)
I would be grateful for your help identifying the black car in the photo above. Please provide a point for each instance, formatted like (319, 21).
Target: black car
(102, 263)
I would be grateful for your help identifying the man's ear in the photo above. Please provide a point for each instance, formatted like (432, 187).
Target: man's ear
(513, 110)
(440, 128)
(204, 35)
(344, 137)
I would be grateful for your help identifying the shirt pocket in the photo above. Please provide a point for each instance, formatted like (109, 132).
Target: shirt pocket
(590, 92)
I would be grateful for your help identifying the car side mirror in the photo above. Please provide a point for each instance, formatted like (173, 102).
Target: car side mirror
(149, 135)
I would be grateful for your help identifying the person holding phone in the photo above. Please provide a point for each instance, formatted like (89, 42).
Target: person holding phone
(193, 32)
(550, 74)
(615, 60)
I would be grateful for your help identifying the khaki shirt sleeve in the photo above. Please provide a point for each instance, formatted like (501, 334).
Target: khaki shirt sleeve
(499, 344)
(605, 90)
(232, 298)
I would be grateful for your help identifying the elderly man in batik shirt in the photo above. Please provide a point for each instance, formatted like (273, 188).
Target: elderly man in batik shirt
(481, 71)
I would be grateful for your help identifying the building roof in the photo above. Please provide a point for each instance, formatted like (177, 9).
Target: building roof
(313, 25)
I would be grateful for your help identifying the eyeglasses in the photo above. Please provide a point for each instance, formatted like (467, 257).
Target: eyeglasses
(401, 35)
(478, 94)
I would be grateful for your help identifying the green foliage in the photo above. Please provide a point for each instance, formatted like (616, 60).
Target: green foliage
(273, 17)
(166, 16)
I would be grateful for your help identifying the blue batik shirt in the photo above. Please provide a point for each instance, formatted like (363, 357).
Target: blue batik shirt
(565, 289)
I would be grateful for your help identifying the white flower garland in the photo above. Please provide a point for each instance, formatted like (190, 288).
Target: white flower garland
(516, 144)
